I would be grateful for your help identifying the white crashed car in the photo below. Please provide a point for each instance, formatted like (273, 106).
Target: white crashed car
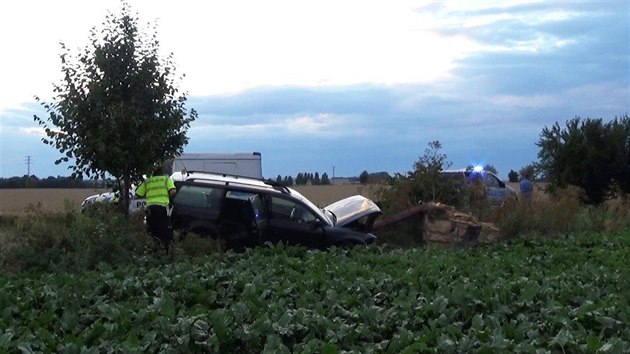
(135, 204)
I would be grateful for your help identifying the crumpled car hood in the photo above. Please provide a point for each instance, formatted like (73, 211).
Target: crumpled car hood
(352, 209)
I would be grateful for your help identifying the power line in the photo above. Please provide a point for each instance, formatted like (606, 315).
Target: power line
(28, 164)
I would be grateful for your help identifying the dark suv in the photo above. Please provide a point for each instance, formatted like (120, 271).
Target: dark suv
(247, 212)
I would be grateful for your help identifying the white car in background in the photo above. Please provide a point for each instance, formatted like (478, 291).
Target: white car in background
(135, 204)
(497, 191)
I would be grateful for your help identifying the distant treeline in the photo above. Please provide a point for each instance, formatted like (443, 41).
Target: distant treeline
(304, 179)
(70, 182)
(51, 182)
(308, 178)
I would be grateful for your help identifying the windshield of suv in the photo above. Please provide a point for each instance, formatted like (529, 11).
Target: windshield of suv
(321, 213)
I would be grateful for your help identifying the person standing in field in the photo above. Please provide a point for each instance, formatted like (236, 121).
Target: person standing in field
(527, 187)
(159, 190)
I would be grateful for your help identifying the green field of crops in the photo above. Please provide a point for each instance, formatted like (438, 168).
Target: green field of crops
(567, 294)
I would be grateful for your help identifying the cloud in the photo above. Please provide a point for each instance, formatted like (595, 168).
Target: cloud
(292, 101)
(531, 48)
(600, 99)
(366, 85)
(383, 44)
(35, 131)
(318, 124)
(386, 128)
(319, 43)
(18, 121)
(532, 101)
(281, 128)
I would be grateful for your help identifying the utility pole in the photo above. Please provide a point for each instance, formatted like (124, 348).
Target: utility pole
(28, 164)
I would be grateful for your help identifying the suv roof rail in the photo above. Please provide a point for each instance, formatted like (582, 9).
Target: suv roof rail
(277, 185)
(271, 183)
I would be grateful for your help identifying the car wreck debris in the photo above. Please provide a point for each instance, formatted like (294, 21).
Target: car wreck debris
(443, 224)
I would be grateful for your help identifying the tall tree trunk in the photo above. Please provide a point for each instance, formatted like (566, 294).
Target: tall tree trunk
(124, 190)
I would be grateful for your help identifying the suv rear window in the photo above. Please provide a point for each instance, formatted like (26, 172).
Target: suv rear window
(199, 196)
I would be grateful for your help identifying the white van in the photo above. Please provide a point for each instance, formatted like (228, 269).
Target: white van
(235, 164)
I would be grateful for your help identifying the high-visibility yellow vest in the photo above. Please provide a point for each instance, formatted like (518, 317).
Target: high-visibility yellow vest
(155, 190)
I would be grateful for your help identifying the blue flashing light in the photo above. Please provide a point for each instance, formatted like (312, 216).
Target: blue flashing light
(478, 168)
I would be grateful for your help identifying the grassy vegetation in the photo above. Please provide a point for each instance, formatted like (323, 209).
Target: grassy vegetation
(39, 241)
(72, 241)
(560, 213)
(76, 282)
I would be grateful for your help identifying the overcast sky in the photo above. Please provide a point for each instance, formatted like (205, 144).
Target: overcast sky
(349, 85)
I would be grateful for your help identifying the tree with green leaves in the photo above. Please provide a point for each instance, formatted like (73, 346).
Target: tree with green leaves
(325, 179)
(118, 109)
(364, 177)
(587, 153)
(513, 176)
(425, 182)
(528, 171)
(490, 168)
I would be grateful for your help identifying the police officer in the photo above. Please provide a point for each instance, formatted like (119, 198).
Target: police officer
(159, 190)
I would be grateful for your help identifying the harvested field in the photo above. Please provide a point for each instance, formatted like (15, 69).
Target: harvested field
(18, 201)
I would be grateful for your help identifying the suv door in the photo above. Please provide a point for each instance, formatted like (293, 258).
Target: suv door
(293, 223)
(242, 219)
(196, 208)
(495, 188)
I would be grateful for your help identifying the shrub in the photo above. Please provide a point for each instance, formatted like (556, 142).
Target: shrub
(74, 241)
(70, 240)
(423, 184)
(612, 215)
(513, 176)
(562, 212)
(195, 245)
(588, 153)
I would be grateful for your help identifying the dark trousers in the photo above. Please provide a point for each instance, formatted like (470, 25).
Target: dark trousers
(159, 224)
